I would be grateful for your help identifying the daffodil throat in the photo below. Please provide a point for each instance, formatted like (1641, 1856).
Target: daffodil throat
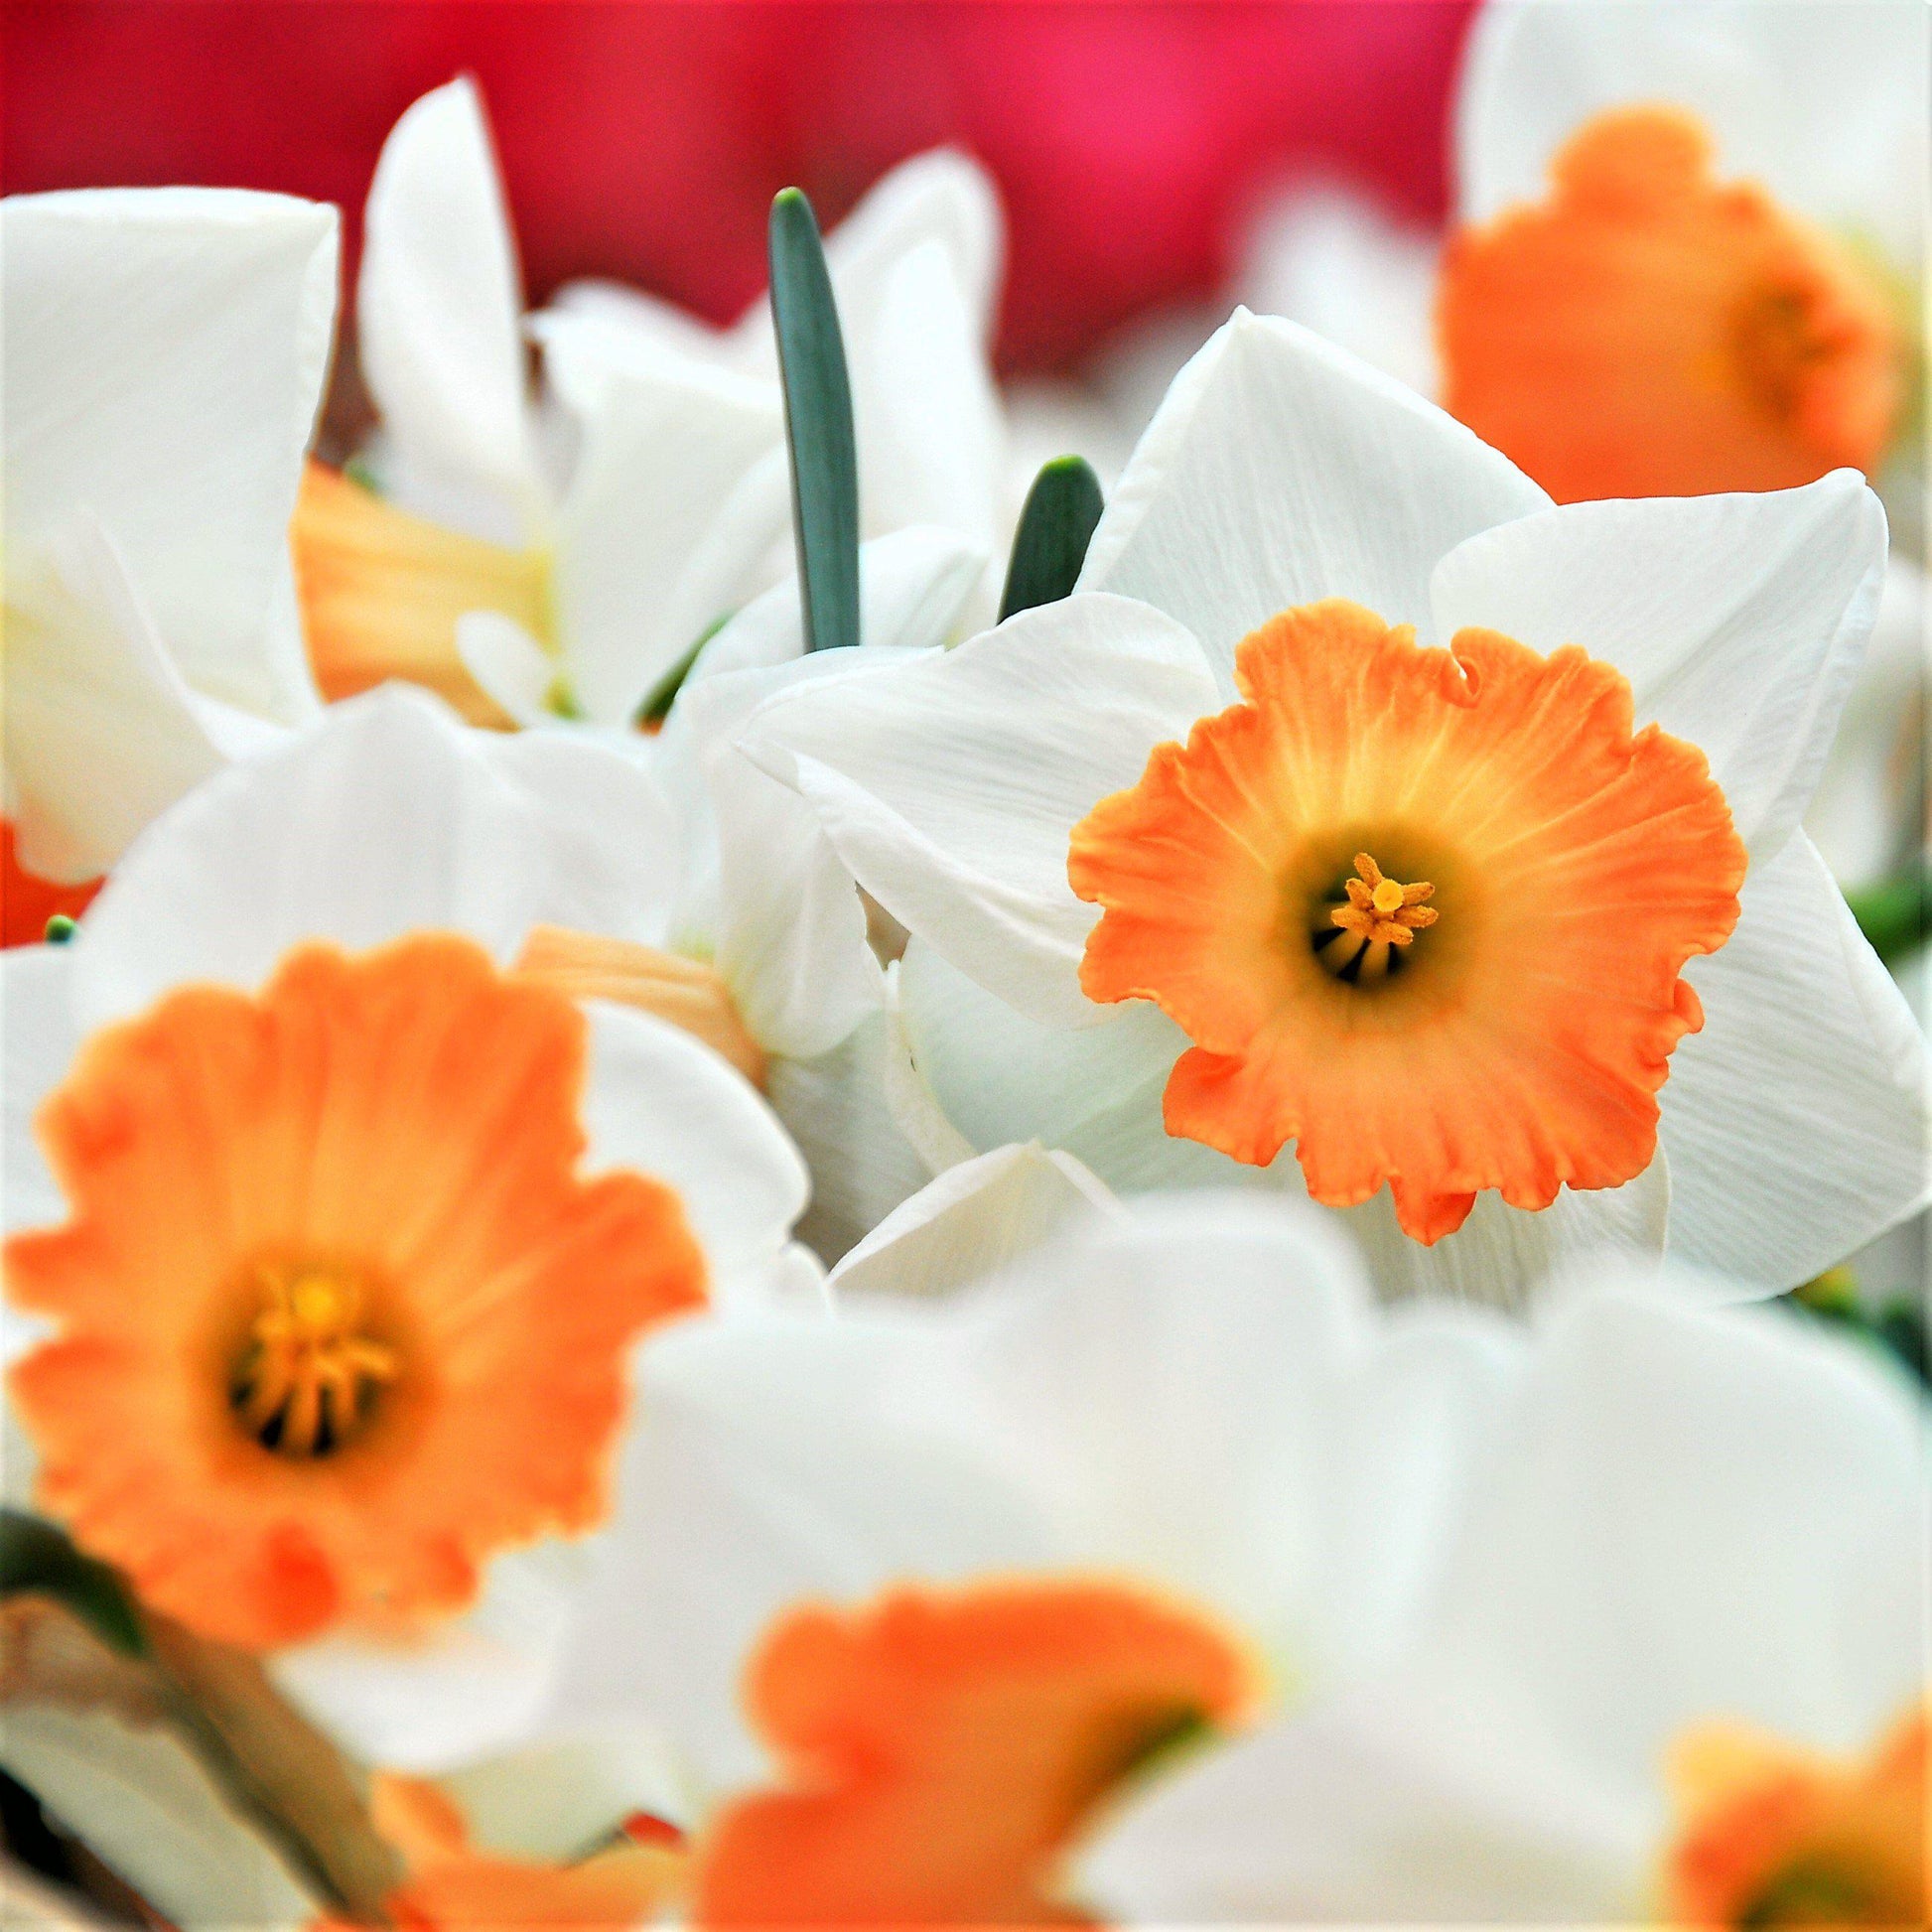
(1362, 940)
(309, 1379)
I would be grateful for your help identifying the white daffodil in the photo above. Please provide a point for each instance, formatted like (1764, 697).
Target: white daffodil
(1418, 902)
(1675, 1671)
(1167, 1466)
(1692, 244)
(163, 355)
(387, 826)
(605, 543)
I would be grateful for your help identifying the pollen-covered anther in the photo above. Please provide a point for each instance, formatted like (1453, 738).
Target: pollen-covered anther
(304, 1384)
(1380, 913)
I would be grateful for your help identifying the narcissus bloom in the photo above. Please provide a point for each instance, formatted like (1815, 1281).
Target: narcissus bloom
(362, 1235)
(1676, 1670)
(921, 1592)
(513, 583)
(1169, 850)
(1712, 288)
(163, 355)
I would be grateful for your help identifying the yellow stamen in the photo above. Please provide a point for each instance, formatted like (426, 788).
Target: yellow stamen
(1380, 913)
(308, 1372)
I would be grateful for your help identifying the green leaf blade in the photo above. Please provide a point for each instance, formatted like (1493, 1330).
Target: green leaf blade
(37, 1556)
(818, 424)
(1056, 528)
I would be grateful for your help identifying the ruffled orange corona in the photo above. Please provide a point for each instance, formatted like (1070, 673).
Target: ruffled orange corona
(1265, 885)
(1774, 1836)
(28, 902)
(942, 1750)
(381, 592)
(452, 1887)
(338, 1318)
(1650, 331)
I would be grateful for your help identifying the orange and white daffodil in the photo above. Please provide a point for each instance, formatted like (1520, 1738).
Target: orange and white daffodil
(350, 1211)
(533, 568)
(163, 355)
(918, 1593)
(1675, 1669)
(1691, 246)
(1362, 800)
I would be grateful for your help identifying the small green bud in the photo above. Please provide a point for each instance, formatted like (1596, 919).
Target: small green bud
(60, 929)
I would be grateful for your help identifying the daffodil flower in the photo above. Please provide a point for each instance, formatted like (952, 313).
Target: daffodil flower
(1690, 241)
(567, 564)
(1675, 1669)
(1334, 666)
(918, 1593)
(164, 356)
(346, 1222)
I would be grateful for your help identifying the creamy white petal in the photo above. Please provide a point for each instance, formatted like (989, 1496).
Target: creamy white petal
(1795, 1121)
(466, 1688)
(1740, 620)
(1330, 258)
(438, 303)
(163, 355)
(679, 492)
(1827, 104)
(102, 735)
(835, 1106)
(1280, 470)
(659, 1103)
(509, 664)
(950, 786)
(37, 1033)
(972, 1220)
(772, 1466)
(387, 816)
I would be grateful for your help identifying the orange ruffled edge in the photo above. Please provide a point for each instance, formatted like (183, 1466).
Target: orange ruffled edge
(941, 1750)
(1576, 867)
(410, 1115)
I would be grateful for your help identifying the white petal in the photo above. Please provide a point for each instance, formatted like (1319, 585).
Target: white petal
(438, 307)
(1280, 470)
(659, 1103)
(1330, 258)
(1209, 1394)
(952, 786)
(1795, 1120)
(471, 1685)
(387, 816)
(771, 1467)
(101, 732)
(971, 1221)
(912, 585)
(679, 492)
(40, 1038)
(510, 665)
(1740, 620)
(1828, 105)
(836, 1108)
(163, 355)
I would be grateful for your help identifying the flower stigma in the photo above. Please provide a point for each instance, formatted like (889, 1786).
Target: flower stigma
(1361, 942)
(310, 1377)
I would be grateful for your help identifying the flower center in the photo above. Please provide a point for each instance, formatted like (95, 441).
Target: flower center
(1361, 943)
(307, 1382)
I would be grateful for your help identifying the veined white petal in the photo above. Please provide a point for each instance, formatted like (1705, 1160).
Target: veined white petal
(971, 1221)
(952, 786)
(1279, 471)
(438, 309)
(1828, 105)
(163, 355)
(660, 1104)
(1740, 620)
(1329, 257)
(37, 1033)
(102, 735)
(387, 816)
(1795, 1121)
